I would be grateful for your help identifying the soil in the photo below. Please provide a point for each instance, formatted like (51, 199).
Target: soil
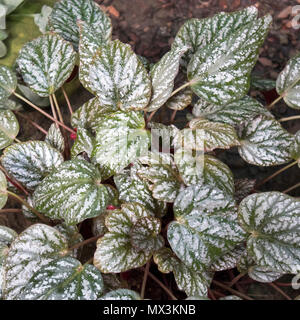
(150, 27)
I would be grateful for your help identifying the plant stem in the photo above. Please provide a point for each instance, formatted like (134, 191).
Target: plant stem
(173, 116)
(180, 88)
(43, 112)
(279, 290)
(53, 110)
(32, 122)
(276, 174)
(236, 279)
(289, 118)
(26, 204)
(11, 211)
(151, 116)
(57, 108)
(83, 243)
(292, 188)
(271, 105)
(235, 292)
(169, 292)
(67, 100)
(17, 140)
(145, 280)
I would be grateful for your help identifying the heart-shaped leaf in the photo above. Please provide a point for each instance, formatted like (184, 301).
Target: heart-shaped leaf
(33, 248)
(84, 143)
(121, 138)
(115, 251)
(203, 170)
(264, 142)
(204, 230)
(73, 192)
(8, 83)
(29, 162)
(121, 294)
(288, 83)
(133, 188)
(55, 138)
(220, 72)
(180, 100)
(9, 128)
(272, 221)
(233, 113)
(46, 63)
(66, 13)
(198, 33)
(3, 187)
(90, 114)
(188, 280)
(118, 78)
(163, 74)
(64, 279)
(206, 136)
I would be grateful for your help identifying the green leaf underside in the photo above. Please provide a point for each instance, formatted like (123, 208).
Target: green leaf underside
(118, 78)
(46, 63)
(33, 248)
(204, 170)
(29, 162)
(163, 74)
(205, 228)
(233, 113)
(288, 83)
(72, 192)
(55, 138)
(84, 143)
(115, 252)
(90, 114)
(8, 83)
(181, 100)
(207, 136)
(220, 72)
(3, 187)
(9, 128)
(188, 280)
(133, 188)
(272, 221)
(66, 13)
(264, 142)
(198, 33)
(120, 139)
(65, 279)
(121, 294)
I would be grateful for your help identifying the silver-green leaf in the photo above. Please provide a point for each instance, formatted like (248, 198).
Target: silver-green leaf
(55, 138)
(8, 82)
(9, 128)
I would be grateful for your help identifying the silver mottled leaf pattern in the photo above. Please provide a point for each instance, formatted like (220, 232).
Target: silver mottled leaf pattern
(8, 83)
(121, 294)
(55, 138)
(84, 143)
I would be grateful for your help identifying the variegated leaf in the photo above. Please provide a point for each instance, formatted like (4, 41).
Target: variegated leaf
(163, 74)
(30, 162)
(288, 83)
(64, 279)
(133, 188)
(3, 188)
(198, 33)
(187, 279)
(272, 221)
(203, 170)
(90, 114)
(121, 138)
(115, 252)
(262, 84)
(295, 148)
(8, 83)
(233, 113)
(263, 142)
(84, 143)
(206, 136)
(220, 72)
(9, 104)
(55, 138)
(46, 63)
(181, 100)
(118, 78)
(205, 227)
(33, 248)
(73, 193)
(121, 294)
(66, 13)
(9, 128)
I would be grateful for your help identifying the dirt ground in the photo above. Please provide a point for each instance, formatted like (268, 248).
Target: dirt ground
(150, 27)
